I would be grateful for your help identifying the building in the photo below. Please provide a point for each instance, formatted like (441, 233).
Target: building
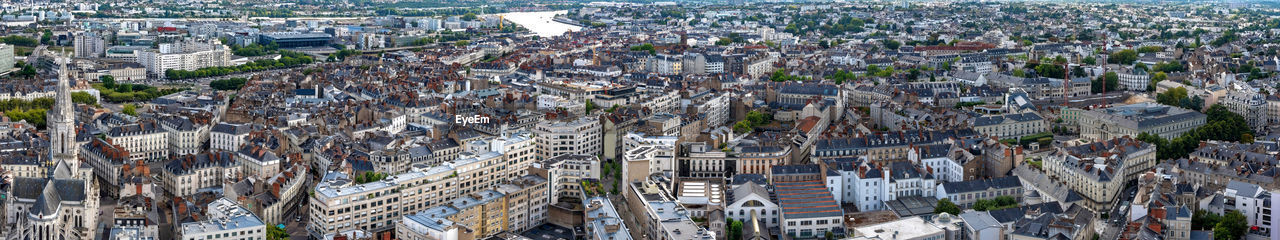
(337, 202)
(912, 228)
(603, 222)
(144, 140)
(1011, 126)
(1255, 203)
(272, 198)
(477, 216)
(555, 138)
(1250, 105)
(89, 45)
(965, 193)
(224, 220)
(1133, 119)
(750, 200)
(107, 161)
(186, 175)
(54, 206)
(565, 172)
(185, 55)
(227, 136)
(295, 40)
(1133, 79)
(1098, 171)
(808, 208)
(184, 135)
(658, 214)
(6, 58)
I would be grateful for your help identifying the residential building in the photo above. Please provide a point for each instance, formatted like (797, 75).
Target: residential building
(186, 175)
(913, 228)
(965, 193)
(185, 55)
(224, 220)
(1098, 171)
(555, 138)
(1011, 126)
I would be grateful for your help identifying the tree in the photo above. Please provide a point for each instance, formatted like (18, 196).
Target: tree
(83, 98)
(1090, 60)
(1110, 79)
(945, 205)
(1232, 226)
(461, 43)
(1204, 220)
(228, 84)
(733, 229)
(1123, 57)
(743, 126)
(1006, 201)
(590, 106)
(108, 81)
(1051, 71)
(983, 205)
(130, 109)
(891, 44)
(274, 232)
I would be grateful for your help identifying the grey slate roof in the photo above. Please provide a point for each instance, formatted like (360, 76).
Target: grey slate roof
(981, 185)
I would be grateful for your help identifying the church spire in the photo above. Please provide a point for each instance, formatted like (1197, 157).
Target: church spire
(61, 119)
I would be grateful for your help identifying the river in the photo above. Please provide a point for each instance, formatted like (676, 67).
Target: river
(541, 23)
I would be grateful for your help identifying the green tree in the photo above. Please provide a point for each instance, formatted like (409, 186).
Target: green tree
(1204, 220)
(83, 98)
(1090, 60)
(1123, 57)
(1232, 226)
(733, 229)
(108, 81)
(1051, 71)
(461, 43)
(130, 109)
(891, 44)
(743, 126)
(1110, 80)
(945, 205)
(274, 232)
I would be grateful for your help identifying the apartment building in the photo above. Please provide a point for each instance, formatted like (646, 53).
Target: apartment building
(1250, 105)
(224, 220)
(144, 140)
(555, 138)
(965, 193)
(342, 205)
(1010, 126)
(603, 222)
(185, 175)
(228, 136)
(564, 173)
(480, 215)
(185, 136)
(884, 146)
(1098, 171)
(106, 160)
(185, 55)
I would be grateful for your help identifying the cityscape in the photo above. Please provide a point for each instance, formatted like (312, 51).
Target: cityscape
(639, 119)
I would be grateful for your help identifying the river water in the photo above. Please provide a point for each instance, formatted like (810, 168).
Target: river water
(541, 23)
